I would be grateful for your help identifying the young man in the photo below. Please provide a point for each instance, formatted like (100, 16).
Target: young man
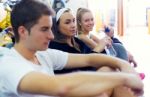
(27, 69)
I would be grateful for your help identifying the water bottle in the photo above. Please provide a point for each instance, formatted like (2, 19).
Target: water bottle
(110, 51)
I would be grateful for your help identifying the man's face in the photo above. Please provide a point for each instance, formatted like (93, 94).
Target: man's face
(40, 34)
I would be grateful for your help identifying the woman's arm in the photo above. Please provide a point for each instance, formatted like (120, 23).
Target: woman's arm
(97, 47)
(88, 41)
(94, 38)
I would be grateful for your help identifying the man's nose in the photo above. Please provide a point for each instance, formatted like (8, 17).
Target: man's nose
(51, 35)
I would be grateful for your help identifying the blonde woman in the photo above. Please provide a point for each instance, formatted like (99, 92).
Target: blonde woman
(85, 23)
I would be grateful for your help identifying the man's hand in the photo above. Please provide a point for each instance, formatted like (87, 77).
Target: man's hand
(131, 59)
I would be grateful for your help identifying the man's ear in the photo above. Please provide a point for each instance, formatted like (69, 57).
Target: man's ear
(22, 31)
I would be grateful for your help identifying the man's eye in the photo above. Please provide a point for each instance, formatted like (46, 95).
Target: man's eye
(44, 29)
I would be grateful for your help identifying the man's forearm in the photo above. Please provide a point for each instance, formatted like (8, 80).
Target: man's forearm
(89, 84)
(99, 60)
(81, 84)
(71, 85)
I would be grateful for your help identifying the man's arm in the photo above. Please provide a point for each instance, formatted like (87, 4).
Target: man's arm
(131, 59)
(98, 60)
(81, 84)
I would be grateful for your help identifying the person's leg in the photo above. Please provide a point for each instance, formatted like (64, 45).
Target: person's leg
(120, 91)
(109, 92)
(121, 51)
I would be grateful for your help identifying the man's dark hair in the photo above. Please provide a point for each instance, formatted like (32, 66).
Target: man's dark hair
(27, 13)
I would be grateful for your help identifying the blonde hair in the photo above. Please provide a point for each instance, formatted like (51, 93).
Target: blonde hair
(79, 15)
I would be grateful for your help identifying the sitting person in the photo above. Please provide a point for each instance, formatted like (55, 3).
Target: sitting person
(85, 23)
(64, 28)
(109, 31)
(27, 69)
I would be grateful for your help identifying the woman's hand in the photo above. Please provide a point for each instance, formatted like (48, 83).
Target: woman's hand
(107, 41)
